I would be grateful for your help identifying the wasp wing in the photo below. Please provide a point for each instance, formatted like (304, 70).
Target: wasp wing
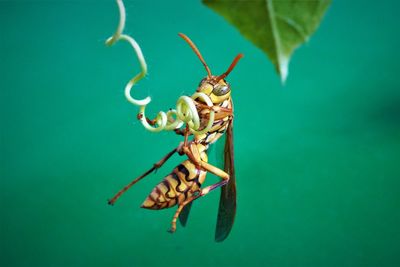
(227, 203)
(183, 216)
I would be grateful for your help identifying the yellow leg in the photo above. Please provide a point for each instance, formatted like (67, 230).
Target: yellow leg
(176, 215)
(179, 210)
(204, 165)
(208, 167)
(221, 115)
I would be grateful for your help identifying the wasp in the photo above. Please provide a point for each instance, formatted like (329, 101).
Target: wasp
(184, 184)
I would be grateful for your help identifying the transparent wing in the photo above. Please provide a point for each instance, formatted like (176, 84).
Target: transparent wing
(183, 216)
(227, 203)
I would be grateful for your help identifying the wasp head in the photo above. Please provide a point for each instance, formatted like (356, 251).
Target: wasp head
(218, 91)
(214, 86)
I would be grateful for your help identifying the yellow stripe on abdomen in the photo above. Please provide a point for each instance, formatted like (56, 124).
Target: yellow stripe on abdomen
(175, 187)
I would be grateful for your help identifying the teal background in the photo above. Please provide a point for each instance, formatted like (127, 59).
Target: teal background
(317, 160)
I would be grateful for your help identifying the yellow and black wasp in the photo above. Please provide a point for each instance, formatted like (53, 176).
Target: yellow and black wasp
(184, 184)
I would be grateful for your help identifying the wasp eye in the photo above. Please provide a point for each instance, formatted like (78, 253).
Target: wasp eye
(221, 90)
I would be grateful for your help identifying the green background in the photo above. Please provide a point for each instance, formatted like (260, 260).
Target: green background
(317, 160)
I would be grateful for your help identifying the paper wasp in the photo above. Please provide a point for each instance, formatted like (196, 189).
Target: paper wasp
(184, 184)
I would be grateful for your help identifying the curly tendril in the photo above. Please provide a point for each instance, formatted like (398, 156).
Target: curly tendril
(185, 112)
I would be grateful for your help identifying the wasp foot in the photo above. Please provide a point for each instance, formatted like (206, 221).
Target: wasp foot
(172, 229)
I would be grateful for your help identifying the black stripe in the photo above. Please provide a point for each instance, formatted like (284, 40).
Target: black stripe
(169, 189)
(183, 170)
(207, 135)
(152, 198)
(175, 176)
(177, 199)
(196, 180)
(195, 177)
(217, 122)
(160, 193)
(186, 194)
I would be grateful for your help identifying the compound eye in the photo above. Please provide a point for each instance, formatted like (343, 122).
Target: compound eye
(221, 90)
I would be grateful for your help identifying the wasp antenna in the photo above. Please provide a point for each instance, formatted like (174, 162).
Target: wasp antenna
(196, 50)
(233, 64)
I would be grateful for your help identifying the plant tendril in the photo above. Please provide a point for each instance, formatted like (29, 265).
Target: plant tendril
(185, 111)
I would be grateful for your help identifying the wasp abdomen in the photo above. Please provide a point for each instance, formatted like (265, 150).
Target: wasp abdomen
(176, 187)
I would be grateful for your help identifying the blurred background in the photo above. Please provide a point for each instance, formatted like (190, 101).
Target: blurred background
(317, 160)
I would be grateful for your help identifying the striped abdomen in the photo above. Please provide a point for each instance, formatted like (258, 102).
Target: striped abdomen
(176, 187)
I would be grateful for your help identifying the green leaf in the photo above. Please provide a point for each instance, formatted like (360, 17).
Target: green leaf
(278, 27)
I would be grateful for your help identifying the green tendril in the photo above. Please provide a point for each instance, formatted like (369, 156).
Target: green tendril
(185, 112)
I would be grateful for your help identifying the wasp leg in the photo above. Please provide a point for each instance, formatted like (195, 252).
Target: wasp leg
(155, 167)
(214, 108)
(181, 132)
(191, 152)
(222, 114)
(203, 192)
(176, 215)
(178, 211)
(220, 173)
(186, 135)
(223, 175)
(208, 167)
